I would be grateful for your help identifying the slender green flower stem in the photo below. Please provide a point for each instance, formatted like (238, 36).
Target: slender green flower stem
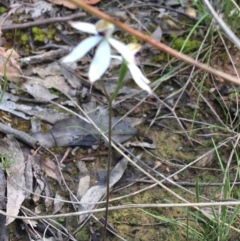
(122, 74)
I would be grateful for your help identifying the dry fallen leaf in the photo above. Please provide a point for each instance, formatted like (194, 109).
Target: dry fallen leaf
(50, 168)
(12, 69)
(84, 179)
(14, 163)
(39, 92)
(35, 10)
(95, 193)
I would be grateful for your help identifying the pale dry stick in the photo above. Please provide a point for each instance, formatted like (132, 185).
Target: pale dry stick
(228, 166)
(235, 4)
(229, 33)
(42, 22)
(155, 43)
(235, 182)
(235, 70)
(65, 155)
(129, 206)
(51, 55)
(189, 184)
(188, 120)
(45, 231)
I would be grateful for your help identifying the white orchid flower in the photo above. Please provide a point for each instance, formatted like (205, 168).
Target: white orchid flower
(102, 31)
(136, 73)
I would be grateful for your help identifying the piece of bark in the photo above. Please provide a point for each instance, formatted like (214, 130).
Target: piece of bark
(2, 189)
(4, 230)
(20, 135)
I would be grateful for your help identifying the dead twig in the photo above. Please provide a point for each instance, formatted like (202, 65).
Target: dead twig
(42, 22)
(20, 135)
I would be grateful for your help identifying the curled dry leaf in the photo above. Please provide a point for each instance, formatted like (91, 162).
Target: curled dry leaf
(9, 58)
(96, 192)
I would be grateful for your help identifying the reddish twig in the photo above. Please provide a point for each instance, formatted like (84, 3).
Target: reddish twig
(155, 43)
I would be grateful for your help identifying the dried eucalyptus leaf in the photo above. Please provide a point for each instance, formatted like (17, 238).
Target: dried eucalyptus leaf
(13, 162)
(74, 131)
(95, 193)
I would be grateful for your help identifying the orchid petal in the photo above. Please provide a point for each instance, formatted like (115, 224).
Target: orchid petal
(126, 53)
(139, 78)
(100, 62)
(81, 49)
(84, 27)
(117, 57)
(136, 71)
